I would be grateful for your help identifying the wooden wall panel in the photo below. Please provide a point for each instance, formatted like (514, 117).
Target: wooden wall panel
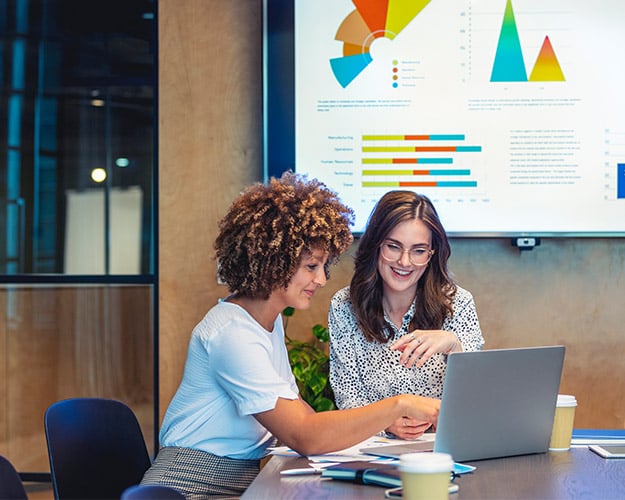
(565, 291)
(62, 342)
(4, 383)
(210, 102)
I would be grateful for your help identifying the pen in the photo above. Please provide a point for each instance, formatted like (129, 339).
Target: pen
(300, 472)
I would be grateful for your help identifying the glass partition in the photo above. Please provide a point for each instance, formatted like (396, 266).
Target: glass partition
(78, 281)
(77, 136)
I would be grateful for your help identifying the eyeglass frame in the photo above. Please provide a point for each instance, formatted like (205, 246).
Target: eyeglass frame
(403, 250)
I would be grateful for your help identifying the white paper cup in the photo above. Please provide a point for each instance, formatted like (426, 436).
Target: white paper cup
(563, 419)
(425, 476)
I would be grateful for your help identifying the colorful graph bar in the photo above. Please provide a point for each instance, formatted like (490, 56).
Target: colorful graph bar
(417, 137)
(430, 161)
(620, 181)
(547, 68)
(398, 184)
(421, 149)
(509, 65)
(418, 172)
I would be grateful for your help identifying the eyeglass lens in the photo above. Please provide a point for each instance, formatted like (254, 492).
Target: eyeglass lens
(393, 251)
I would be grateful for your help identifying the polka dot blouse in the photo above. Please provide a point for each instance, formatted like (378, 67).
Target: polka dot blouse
(362, 372)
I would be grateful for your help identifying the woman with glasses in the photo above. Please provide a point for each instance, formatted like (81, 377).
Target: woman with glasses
(393, 327)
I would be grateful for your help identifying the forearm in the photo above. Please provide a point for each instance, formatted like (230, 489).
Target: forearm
(316, 433)
(335, 430)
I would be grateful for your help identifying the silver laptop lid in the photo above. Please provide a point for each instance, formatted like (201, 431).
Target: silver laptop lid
(499, 402)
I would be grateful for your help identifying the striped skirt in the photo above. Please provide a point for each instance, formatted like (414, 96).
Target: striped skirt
(201, 475)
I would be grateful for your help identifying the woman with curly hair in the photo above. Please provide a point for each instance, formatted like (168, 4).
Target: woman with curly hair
(393, 327)
(237, 394)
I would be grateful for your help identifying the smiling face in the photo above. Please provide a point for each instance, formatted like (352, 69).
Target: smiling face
(309, 276)
(401, 276)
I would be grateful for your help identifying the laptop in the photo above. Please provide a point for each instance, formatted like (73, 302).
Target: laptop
(495, 403)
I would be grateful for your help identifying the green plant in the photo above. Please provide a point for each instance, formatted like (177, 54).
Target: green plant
(311, 366)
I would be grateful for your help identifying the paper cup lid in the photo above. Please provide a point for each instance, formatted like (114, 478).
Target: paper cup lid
(426, 462)
(566, 400)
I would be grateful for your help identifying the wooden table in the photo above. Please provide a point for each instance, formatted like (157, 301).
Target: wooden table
(575, 474)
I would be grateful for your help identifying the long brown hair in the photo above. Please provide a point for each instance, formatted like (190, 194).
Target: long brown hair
(435, 289)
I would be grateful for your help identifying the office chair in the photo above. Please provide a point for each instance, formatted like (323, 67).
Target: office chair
(151, 492)
(11, 486)
(95, 447)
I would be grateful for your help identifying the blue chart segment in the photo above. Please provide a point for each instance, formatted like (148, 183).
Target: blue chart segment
(347, 68)
(620, 181)
(509, 65)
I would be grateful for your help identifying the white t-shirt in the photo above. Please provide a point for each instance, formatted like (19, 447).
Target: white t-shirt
(234, 369)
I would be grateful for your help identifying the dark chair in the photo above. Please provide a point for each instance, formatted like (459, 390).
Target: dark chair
(96, 448)
(11, 486)
(151, 492)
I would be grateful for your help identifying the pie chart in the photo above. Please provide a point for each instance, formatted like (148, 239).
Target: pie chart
(371, 20)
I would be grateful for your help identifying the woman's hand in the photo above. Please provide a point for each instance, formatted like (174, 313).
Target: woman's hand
(408, 428)
(418, 346)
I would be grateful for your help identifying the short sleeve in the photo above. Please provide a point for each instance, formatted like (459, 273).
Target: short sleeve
(253, 369)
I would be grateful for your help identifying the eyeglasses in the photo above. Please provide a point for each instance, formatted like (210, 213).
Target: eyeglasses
(418, 256)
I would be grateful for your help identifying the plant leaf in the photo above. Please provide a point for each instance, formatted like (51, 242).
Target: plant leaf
(317, 382)
(321, 403)
(321, 332)
(310, 366)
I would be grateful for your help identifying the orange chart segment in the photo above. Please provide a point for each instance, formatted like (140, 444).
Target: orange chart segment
(401, 12)
(547, 68)
(374, 14)
(351, 50)
(353, 30)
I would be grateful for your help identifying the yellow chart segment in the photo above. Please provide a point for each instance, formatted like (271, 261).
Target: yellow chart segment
(547, 68)
(401, 12)
(373, 19)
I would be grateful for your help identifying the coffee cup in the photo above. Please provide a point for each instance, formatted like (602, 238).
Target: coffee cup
(562, 431)
(425, 475)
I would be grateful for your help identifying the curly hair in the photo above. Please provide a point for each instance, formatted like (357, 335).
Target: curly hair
(435, 289)
(269, 227)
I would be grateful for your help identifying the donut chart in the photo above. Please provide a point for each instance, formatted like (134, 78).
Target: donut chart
(372, 19)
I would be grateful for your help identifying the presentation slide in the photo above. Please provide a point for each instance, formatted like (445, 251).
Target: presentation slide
(508, 114)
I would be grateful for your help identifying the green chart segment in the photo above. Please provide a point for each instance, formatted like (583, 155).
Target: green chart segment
(509, 64)
(390, 164)
(372, 19)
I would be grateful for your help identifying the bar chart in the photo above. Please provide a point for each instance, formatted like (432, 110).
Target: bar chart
(388, 161)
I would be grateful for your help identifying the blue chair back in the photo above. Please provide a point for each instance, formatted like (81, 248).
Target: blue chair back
(95, 447)
(11, 486)
(151, 492)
